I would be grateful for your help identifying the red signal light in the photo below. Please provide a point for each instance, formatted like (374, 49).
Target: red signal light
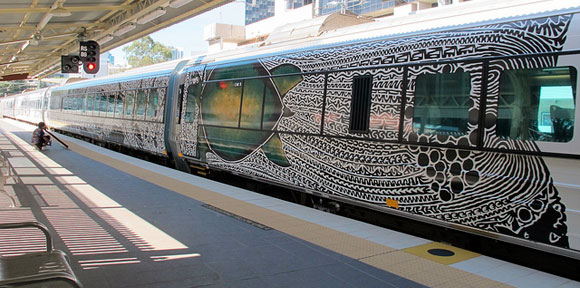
(91, 66)
(223, 85)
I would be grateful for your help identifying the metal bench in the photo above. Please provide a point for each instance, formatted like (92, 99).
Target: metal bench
(36, 267)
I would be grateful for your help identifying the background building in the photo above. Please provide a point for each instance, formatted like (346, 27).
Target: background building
(257, 10)
(176, 53)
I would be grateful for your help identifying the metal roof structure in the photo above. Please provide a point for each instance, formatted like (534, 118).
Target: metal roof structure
(35, 33)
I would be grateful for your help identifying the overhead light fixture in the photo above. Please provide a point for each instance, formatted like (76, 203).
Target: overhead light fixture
(125, 28)
(178, 3)
(106, 38)
(160, 11)
(60, 11)
(43, 21)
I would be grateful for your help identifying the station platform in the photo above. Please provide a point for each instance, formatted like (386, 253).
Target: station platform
(125, 222)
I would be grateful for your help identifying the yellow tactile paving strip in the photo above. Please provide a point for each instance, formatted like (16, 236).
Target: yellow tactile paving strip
(423, 251)
(399, 262)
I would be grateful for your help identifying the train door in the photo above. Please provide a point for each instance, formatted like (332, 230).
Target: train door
(530, 120)
(190, 113)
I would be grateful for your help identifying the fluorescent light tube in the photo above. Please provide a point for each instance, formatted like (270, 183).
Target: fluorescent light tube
(152, 15)
(125, 28)
(178, 3)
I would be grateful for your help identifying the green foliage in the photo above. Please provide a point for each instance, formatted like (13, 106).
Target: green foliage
(14, 87)
(146, 51)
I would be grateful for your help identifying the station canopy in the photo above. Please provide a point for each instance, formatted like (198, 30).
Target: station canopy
(35, 33)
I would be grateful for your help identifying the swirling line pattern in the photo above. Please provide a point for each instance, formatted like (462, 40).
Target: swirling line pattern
(500, 192)
(139, 135)
(188, 134)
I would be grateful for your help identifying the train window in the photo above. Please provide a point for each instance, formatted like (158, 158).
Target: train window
(111, 105)
(537, 104)
(72, 104)
(234, 70)
(442, 103)
(77, 104)
(222, 100)
(119, 105)
(55, 100)
(67, 103)
(252, 104)
(103, 105)
(83, 104)
(96, 104)
(90, 103)
(129, 104)
(192, 93)
(141, 101)
(152, 104)
(360, 108)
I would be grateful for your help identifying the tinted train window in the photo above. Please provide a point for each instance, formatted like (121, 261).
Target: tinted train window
(119, 108)
(234, 70)
(360, 108)
(537, 104)
(96, 104)
(152, 104)
(90, 103)
(253, 103)
(192, 92)
(83, 100)
(69, 103)
(82, 104)
(103, 105)
(111, 105)
(74, 103)
(129, 104)
(141, 100)
(222, 103)
(442, 103)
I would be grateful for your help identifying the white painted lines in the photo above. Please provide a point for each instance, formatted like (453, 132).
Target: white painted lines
(90, 223)
(93, 264)
(174, 257)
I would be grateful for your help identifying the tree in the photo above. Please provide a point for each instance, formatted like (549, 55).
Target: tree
(14, 87)
(146, 51)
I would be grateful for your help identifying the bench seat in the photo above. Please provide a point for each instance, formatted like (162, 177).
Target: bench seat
(36, 267)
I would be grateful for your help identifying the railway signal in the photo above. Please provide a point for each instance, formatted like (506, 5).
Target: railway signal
(89, 52)
(69, 64)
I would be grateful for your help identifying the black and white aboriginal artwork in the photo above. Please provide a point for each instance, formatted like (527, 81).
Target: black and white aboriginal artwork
(188, 134)
(134, 133)
(506, 193)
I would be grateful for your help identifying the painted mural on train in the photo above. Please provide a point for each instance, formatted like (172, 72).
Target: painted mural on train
(282, 141)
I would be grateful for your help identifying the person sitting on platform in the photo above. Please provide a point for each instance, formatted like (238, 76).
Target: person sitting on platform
(39, 138)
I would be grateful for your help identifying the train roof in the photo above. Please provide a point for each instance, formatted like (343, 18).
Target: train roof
(151, 71)
(452, 17)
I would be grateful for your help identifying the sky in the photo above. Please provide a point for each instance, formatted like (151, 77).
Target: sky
(188, 35)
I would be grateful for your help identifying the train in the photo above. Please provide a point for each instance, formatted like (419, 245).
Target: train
(463, 126)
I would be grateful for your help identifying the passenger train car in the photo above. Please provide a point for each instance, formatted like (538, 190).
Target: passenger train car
(464, 126)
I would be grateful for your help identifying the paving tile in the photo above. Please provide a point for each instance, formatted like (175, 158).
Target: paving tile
(507, 273)
(230, 270)
(479, 264)
(233, 252)
(538, 279)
